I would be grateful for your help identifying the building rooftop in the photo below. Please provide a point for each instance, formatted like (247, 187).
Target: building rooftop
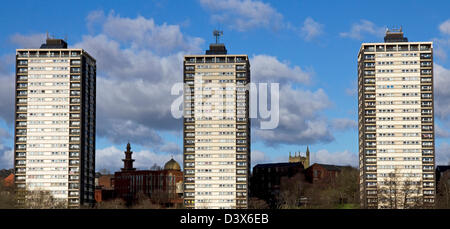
(394, 35)
(442, 168)
(331, 167)
(54, 44)
(216, 49)
(271, 165)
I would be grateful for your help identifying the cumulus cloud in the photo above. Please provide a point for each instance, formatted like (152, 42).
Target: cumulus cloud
(133, 84)
(362, 28)
(243, 14)
(442, 44)
(259, 157)
(311, 29)
(110, 158)
(300, 120)
(28, 41)
(445, 27)
(342, 124)
(441, 133)
(443, 154)
(147, 34)
(442, 94)
(7, 89)
(345, 157)
(265, 68)
(6, 152)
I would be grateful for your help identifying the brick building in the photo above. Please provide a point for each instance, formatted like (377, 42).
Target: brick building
(322, 172)
(266, 179)
(104, 187)
(164, 187)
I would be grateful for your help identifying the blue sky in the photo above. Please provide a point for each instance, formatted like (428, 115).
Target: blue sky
(139, 45)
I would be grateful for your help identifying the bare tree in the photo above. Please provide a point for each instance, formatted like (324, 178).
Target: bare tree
(42, 199)
(256, 203)
(117, 203)
(7, 196)
(292, 189)
(443, 192)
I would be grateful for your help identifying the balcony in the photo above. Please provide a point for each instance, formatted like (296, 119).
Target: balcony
(427, 120)
(427, 112)
(428, 168)
(240, 60)
(427, 96)
(425, 48)
(426, 64)
(369, 49)
(391, 48)
(425, 56)
(427, 144)
(427, 152)
(369, 73)
(403, 48)
(22, 85)
(427, 160)
(369, 57)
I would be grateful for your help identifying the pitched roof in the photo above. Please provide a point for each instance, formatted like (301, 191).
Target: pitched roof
(9, 180)
(331, 167)
(442, 168)
(273, 165)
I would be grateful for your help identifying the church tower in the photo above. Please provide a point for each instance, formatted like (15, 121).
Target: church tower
(128, 161)
(298, 158)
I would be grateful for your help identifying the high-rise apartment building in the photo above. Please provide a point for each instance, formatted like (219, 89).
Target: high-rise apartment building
(55, 123)
(396, 123)
(216, 129)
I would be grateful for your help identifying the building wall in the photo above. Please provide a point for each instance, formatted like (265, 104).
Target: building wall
(266, 180)
(55, 123)
(129, 184)
(396, 134)
(216, 131)
(317, 173)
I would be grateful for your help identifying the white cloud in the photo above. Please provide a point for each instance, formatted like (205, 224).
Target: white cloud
(445, 27)
(133, 84)
(259, 157)
(266, 68)
(110, 158)
(442, 92)
(243, 14)
(441, 133)
(300, 120)
(7, 89)
(146, 33)
(6, 152)
(28, 41)
(364, 27)
(342, 124)
(335, 158)
(311, 29)
(443, 154)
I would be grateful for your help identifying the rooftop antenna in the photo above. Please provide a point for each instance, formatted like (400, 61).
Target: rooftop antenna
(217, 34)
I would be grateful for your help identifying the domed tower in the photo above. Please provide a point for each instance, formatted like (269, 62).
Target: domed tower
(172, 165)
